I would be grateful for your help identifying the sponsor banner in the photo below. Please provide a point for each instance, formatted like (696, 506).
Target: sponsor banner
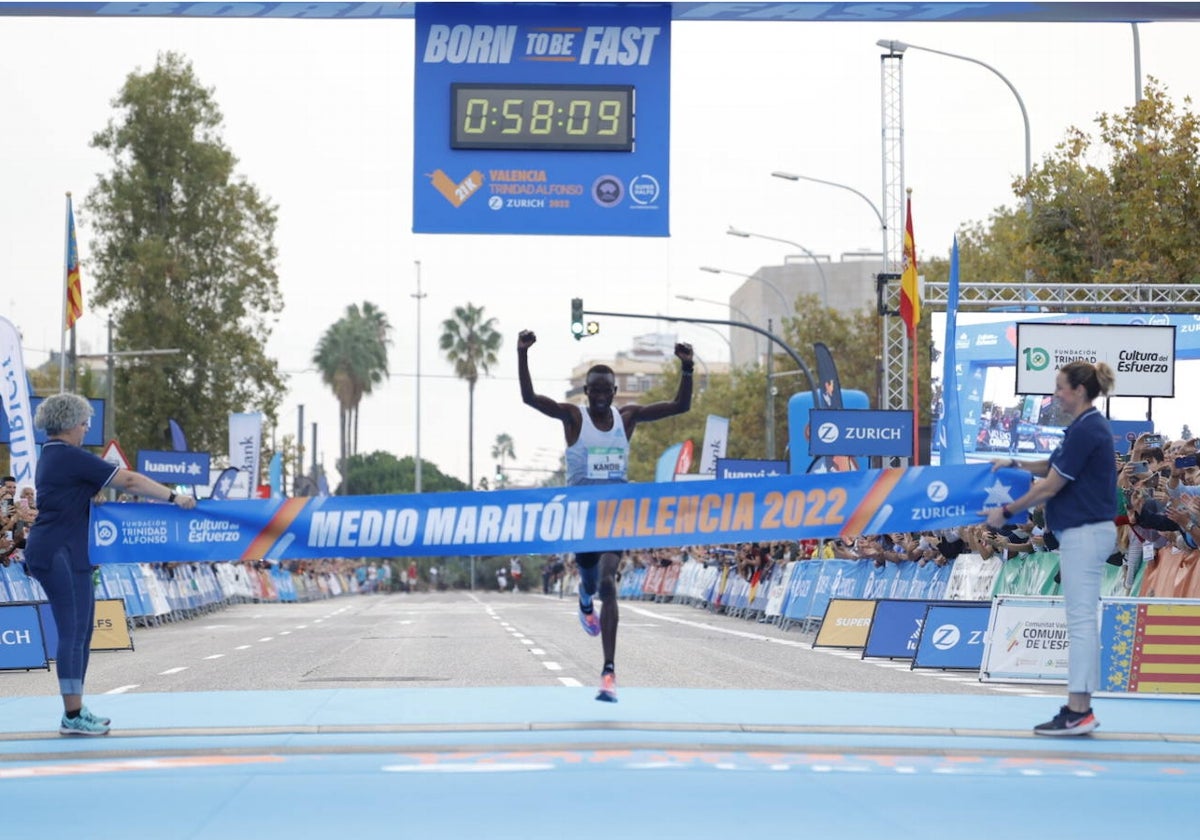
(747, 468)
(716, 436)
(1150, 646)
(21, 645)
(846, 623)
(111, 630)
(1125, 432)
(542, 118)
(860, 432)
(553, 520)
(1141, 356)
(16, 420)
(896, 628)
(1026, 641)
(174, 467)
(245, 444)
(952, 636)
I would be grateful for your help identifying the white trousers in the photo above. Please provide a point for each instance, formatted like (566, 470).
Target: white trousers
(1082, 552)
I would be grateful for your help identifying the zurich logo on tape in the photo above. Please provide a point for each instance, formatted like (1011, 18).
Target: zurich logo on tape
(937, 491)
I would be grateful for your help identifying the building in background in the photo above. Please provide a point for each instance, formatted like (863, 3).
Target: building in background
(848, 285)
(641, 368)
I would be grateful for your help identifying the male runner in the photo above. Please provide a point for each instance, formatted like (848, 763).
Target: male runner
(598, 453)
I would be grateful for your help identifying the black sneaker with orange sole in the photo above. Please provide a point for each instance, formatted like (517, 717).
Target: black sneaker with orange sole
(1067, 722)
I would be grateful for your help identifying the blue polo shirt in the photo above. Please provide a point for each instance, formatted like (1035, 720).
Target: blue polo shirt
(1085, 459)
(67, 479)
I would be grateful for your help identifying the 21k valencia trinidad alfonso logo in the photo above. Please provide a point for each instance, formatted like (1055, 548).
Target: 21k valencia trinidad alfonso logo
(456, 193)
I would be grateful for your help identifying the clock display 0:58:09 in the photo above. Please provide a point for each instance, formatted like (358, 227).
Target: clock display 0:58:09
(597, 118)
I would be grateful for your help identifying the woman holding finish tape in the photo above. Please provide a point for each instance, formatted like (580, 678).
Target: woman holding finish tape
(1079, 486)
(56, 551)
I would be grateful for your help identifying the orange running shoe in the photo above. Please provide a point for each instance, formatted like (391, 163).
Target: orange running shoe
(608, 687)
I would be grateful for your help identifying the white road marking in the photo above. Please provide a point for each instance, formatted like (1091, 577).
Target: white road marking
(285, 632)
(172, 671)
(266, 638)
(527, 641)
(537, 651)
(121, 689)
(570, 682)
(552, 666)
(242, 647)
(301, 626)
(215, 656)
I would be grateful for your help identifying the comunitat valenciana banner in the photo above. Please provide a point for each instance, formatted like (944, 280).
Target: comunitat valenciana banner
(548, 520)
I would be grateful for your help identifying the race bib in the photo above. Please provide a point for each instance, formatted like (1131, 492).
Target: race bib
(1148, 552)
(606, 463)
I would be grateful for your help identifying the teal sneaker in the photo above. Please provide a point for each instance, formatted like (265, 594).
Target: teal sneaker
(82, 725)
(87, 713)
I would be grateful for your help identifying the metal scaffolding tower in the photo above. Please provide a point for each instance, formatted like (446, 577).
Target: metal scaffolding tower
(894, 350)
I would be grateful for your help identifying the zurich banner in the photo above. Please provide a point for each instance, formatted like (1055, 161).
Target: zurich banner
(952, 636)
(174, 467)
(860, 432)
(551, 520)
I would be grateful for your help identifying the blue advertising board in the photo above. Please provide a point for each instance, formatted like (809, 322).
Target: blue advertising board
(21, 645)
(860, 432)
(896, 628)
(546, 118)
(749, 468)
(952, 635)
(174, 467)
(94, 436)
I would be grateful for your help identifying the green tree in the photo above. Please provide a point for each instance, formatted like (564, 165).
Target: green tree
(1120, 207)
(352, 357)
(471, 344)
(379, 473)
(183, 257)
(502, 450)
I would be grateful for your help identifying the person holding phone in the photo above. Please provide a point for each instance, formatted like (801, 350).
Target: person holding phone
(1079, 487)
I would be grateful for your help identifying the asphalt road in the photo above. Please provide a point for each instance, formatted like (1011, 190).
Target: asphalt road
(482, 639)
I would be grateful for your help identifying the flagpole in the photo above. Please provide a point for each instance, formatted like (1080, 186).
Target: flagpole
(62, 342)
(916, 458)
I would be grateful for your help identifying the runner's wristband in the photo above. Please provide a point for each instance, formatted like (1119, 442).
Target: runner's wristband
(171, 498)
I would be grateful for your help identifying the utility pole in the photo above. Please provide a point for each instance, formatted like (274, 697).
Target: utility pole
(110, 404)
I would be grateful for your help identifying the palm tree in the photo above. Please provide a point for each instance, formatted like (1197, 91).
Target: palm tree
(502, 449)
(470, 343)
(352, 358)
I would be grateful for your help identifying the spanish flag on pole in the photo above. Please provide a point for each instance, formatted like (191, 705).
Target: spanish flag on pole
(74, 307)
(910, 296)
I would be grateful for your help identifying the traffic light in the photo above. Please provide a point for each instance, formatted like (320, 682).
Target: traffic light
(577, 318)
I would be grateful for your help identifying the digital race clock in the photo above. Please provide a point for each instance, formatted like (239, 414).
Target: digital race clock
(594, 118)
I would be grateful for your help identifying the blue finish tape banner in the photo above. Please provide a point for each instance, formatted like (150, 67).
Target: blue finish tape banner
(551, 520)
(542, 118)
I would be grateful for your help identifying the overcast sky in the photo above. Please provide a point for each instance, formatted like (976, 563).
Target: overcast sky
(319, 114)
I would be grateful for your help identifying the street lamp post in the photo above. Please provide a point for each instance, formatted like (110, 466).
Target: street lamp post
(733, 309)
(744, 234)
(792, 176)
(901, 46)
(417, 465)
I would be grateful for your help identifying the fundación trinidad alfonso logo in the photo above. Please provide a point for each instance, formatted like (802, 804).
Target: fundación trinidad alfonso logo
(456, 193)
(105, 532)
(1036, 358)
